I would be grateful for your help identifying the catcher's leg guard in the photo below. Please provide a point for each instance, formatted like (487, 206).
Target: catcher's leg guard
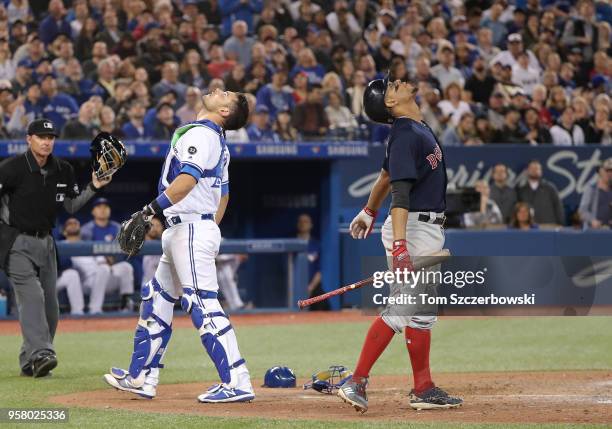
(218, 337)
(152, 334)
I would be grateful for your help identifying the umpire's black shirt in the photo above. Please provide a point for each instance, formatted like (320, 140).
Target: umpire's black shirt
(32, 193)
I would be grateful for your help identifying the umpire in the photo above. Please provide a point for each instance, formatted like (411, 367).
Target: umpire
(32, 186)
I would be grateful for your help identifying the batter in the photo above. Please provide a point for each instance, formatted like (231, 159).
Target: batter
(414, 173)
(193, 195)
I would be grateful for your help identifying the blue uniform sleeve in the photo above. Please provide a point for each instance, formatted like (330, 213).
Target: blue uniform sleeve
(87, 231)
(402, 163)
(192, 171)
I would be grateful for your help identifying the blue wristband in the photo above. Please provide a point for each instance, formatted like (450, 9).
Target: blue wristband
(161, 203)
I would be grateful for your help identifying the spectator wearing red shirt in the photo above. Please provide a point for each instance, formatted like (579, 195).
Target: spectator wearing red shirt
(218, 65)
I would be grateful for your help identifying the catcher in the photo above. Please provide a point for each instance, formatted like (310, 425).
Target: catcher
(414, 173)
(193, 195)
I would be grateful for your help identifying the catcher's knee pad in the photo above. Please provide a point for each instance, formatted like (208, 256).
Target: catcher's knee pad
(154, 329)
(216, 334)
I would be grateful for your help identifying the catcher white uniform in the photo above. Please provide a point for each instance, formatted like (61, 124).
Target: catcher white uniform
(187, 271)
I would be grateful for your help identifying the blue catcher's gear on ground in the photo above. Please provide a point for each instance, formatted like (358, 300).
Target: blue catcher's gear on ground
(330, 379)
(279, 376)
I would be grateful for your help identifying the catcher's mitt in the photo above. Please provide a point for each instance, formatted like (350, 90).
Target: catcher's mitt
(131, 237)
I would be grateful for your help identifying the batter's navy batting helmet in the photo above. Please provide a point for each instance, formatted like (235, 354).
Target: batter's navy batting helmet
(374, 102)
(279, 376)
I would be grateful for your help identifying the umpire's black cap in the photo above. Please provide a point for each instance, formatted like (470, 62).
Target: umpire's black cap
(41, 127)
(374, 102)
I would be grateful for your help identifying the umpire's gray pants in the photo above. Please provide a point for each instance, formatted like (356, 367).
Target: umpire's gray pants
(32, 268)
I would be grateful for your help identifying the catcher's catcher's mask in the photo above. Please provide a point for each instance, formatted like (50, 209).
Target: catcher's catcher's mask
(330, 379)
(107, 155)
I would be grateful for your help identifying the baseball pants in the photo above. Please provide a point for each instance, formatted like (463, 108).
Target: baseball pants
(32, 268)
(187, 265)
(71, 281)
(422, 238)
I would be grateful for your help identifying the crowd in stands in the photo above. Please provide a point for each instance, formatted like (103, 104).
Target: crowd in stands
(522, 71)
(536, 202)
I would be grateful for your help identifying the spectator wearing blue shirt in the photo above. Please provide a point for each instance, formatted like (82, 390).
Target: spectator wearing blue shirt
(134, 129)
(274, 95)
(55, 23)
(100, 228)
(74, 84)
(259, 130)
(497, 26)
(57, 106)
(464, 134)
(307, 63)
(164, 125)
(151, 115)
(234, 10)
(34, 102)
(170, 82)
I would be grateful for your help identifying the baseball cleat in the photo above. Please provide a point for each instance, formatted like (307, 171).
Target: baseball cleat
(355, 394)
(121, 380)
(220, 393)
(433, 398)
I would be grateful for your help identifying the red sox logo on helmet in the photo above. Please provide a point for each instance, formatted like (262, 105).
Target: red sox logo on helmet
(434, 158)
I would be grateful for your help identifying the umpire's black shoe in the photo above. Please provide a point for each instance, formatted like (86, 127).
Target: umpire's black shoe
(434, 398)
(44, 363)
(26, 371)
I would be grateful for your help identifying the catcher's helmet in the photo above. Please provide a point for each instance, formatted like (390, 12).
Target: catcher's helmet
(107, 155)
(374, 102)
(328, 380)
(279, 376)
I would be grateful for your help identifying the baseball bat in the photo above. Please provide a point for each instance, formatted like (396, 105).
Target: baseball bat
(419, 262)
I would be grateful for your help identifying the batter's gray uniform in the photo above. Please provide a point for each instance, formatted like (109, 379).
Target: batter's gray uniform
(423, 238)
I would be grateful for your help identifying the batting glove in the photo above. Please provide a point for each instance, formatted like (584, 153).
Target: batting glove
(363, 223)
(401, 258)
